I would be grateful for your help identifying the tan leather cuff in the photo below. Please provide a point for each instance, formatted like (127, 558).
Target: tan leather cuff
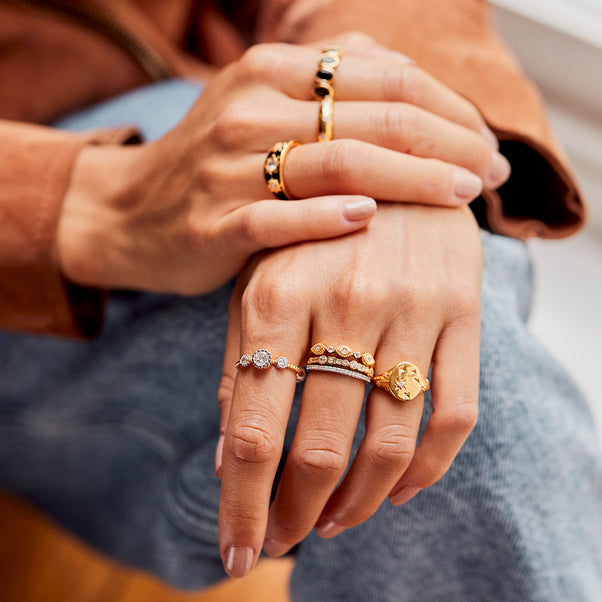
(35, 170)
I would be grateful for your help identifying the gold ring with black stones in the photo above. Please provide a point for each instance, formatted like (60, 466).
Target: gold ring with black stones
(273, 169)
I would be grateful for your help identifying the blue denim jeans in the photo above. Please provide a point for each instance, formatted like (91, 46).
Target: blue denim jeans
(115, 440)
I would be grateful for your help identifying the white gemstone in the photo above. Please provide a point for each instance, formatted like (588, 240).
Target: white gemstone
(326, 112)
(353, 365)
(357, 355)
(271, 165)
(323, 359)
(262, 359)
(331, 350)
(274, 185)
(345, 362)
(282, 362)
(331, 360)
(245, 360)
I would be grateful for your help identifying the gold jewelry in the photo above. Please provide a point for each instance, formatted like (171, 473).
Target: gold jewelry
(344, 371)
(327, 63)
(273, 169)
(326, 118)
(262, 359)
(404, 381)
(343, 351)
(352, 364)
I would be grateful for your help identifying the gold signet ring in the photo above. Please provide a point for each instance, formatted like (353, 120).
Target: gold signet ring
(404, 381)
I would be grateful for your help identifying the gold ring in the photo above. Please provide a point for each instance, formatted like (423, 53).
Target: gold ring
(404, 381)
(273, 169)
(262, 359)
(342, 357)
(324, 91)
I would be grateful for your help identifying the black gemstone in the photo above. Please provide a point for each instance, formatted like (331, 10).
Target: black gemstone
(327, 75)
(321, 91)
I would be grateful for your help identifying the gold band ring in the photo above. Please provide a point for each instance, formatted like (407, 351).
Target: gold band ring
(404, 381)
(262, 359)
(273, 169)
(324, 91)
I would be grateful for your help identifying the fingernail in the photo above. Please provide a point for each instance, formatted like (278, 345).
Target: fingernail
(405, 494)
(329, 529)
(359, 208)
(238, 560)
(490, 137)
(500, 171)
(272, 547)
(219, 450)
(467, 186)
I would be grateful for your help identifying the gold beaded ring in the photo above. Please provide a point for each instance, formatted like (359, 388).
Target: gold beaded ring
(341, 359)
(262, 359)
(273, 169)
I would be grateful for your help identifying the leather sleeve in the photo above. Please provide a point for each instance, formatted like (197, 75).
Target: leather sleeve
(455, 42)
(35, 169)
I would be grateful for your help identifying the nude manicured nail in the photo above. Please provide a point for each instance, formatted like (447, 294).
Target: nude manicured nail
(467, 186)
(359, 208)
(500, 171)
(238, 561)
(272, 547)
(329, 529)
(490, 137)
(405, 494)
(219, 450)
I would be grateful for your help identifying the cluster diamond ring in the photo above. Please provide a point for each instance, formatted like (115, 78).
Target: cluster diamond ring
(262, 360)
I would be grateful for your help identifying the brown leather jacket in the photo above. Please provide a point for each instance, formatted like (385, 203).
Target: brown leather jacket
(58, 55)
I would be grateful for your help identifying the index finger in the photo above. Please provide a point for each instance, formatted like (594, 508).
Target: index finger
(254, 437)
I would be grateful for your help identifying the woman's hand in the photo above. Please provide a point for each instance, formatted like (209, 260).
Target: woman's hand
(406, 288)
(184, 214)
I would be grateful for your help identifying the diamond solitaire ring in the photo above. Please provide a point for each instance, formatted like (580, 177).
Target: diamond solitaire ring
(404, 381)
(262, 360)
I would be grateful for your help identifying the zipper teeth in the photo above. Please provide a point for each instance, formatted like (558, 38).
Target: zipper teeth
(152, 64)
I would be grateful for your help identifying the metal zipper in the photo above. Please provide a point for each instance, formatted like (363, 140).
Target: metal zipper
(148, 59)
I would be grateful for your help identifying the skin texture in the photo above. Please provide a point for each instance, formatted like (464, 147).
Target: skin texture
(405, 288)
(186, 213)
(198, 193)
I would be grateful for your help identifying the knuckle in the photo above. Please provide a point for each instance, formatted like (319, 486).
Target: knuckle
(462, 417)
(339, 163)
(393, 447)
(253, 228)
(259, 61)
(252, 443)
(357, 293)
(357, 39)
(414, 294)
(400, 82)
(268, 297)
(322, 459)
(395, 123)
(236, 125)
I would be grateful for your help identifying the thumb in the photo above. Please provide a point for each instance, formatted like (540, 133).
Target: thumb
(231, 355)
(269, 224)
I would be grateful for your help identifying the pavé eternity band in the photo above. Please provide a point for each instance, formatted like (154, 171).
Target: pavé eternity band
(262, 359)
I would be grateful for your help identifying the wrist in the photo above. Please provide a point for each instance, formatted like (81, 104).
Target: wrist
(91, 242)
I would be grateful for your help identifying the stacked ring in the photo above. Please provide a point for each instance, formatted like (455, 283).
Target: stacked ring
(324, 91)
(273, 169)
(342, 360)
(262, 359)
(404, 381)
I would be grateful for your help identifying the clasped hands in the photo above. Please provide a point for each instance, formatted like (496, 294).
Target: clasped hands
(186, 213)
